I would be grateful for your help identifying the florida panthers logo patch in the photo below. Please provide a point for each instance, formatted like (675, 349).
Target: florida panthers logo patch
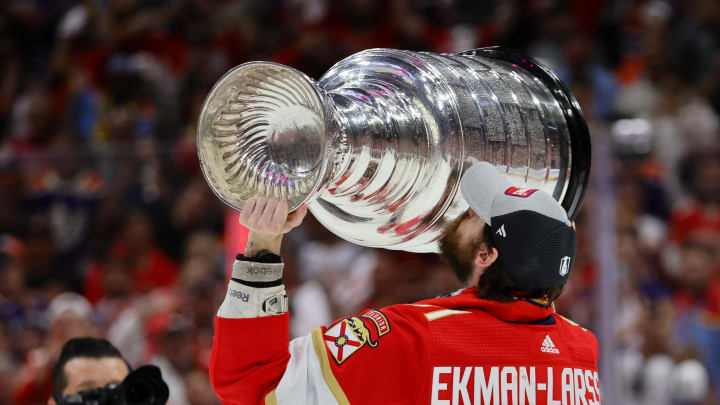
(349, 335)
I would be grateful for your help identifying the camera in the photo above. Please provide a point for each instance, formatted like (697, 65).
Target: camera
(143, 386)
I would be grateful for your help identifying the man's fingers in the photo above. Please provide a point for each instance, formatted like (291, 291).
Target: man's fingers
(249, 204)
(247, 212)
(270, 216)
(296, 217)
(256, 215)
(266, 219)
(279, 217)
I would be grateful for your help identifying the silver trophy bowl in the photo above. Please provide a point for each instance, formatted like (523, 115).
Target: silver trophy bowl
(378, 145)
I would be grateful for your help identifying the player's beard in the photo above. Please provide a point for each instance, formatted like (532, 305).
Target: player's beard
(457, 254)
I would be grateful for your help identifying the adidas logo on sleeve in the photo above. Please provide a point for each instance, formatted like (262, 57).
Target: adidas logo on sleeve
(548, 346)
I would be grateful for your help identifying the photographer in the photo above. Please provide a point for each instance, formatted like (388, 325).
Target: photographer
(93, 372)
(86, 363)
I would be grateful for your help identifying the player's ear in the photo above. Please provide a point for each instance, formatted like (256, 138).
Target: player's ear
(484, 257)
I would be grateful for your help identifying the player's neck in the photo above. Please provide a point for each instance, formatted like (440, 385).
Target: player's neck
(474, 277)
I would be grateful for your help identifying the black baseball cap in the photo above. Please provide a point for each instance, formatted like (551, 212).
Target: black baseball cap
(535, 239)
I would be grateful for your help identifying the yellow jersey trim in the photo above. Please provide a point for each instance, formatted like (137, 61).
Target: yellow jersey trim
(327, 373)
(540, 301)
(270, 398)
(571, 322)
(442, 313)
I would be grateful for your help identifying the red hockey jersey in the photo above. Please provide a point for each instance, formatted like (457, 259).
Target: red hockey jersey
(444, 351)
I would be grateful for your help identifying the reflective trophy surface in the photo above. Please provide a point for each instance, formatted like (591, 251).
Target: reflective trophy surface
(378, 145)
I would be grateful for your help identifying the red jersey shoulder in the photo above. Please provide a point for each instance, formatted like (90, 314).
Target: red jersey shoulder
(423, 313)
(585, 343)
(574, 328)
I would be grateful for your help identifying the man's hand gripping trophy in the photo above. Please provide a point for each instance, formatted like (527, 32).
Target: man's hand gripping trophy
(267, 220)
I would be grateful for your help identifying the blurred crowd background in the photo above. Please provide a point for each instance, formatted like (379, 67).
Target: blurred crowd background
(107, 227)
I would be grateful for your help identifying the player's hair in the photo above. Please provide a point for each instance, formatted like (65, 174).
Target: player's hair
(495, 283)
(80, 347)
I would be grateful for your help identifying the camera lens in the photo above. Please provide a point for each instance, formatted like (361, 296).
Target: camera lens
(140, 392)
(144, 386)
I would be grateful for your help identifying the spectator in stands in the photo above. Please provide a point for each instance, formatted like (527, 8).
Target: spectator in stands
(68, 316)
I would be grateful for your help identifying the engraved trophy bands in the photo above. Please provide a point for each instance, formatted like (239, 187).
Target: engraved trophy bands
(377, 147)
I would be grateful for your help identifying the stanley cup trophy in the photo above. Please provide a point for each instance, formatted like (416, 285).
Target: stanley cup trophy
(378, 145)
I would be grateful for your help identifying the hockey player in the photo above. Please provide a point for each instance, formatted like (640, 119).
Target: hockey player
(498, 341)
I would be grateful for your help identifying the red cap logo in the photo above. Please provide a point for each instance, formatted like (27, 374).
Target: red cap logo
(520, 192)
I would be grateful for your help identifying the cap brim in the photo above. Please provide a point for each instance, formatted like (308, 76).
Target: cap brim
(479, 186)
